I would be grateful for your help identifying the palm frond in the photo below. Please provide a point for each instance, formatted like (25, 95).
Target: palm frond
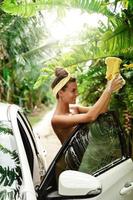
(93, 6)
(27, 9)
(23, 9)
(118, 39)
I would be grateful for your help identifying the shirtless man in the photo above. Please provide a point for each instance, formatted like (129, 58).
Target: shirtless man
(67, 114)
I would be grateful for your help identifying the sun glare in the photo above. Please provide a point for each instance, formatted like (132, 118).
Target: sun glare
(72, 24)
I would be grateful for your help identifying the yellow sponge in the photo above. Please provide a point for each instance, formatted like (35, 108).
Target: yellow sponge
(113, 67)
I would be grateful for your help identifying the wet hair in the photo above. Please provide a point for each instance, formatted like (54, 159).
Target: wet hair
(61, 73)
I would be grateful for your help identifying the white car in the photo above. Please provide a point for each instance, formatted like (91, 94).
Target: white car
(94, 163)
(22, 160)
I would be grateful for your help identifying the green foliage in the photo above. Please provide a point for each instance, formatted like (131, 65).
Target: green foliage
(97, 6)
(111, 39)
(22, 8)
(128, 90)
(87, 49)
(28, 9)
(91, 84)
(46, 73)
(24, 52)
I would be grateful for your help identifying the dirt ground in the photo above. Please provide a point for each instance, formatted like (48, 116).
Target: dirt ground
(49, 140)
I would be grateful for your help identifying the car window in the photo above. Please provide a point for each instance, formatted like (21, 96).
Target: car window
(10, 168)
(93, 147)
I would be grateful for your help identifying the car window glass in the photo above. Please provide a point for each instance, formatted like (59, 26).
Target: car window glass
(10, 168)
(93, 146)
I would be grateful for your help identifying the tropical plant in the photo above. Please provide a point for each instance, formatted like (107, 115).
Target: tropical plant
(109, 39)
(91, 85)
(113, 38)
(119, 24)
(90, 88)
(22, 52)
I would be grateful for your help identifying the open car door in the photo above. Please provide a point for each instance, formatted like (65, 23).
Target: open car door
(97, 149)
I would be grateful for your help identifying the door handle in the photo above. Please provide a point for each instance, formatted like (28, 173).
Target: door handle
(127, 188)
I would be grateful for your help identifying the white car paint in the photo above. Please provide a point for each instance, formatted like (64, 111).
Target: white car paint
(114, 180)
(9, 113)
(27, 189)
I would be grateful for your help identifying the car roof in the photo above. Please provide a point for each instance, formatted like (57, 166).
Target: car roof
(4, 108)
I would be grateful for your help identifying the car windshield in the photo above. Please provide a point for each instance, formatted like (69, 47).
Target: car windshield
(10, 171)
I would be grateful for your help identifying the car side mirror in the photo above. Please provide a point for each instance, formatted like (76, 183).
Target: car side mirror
(75, 183)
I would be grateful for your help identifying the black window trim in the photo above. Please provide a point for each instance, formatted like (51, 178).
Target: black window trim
(30, 131)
